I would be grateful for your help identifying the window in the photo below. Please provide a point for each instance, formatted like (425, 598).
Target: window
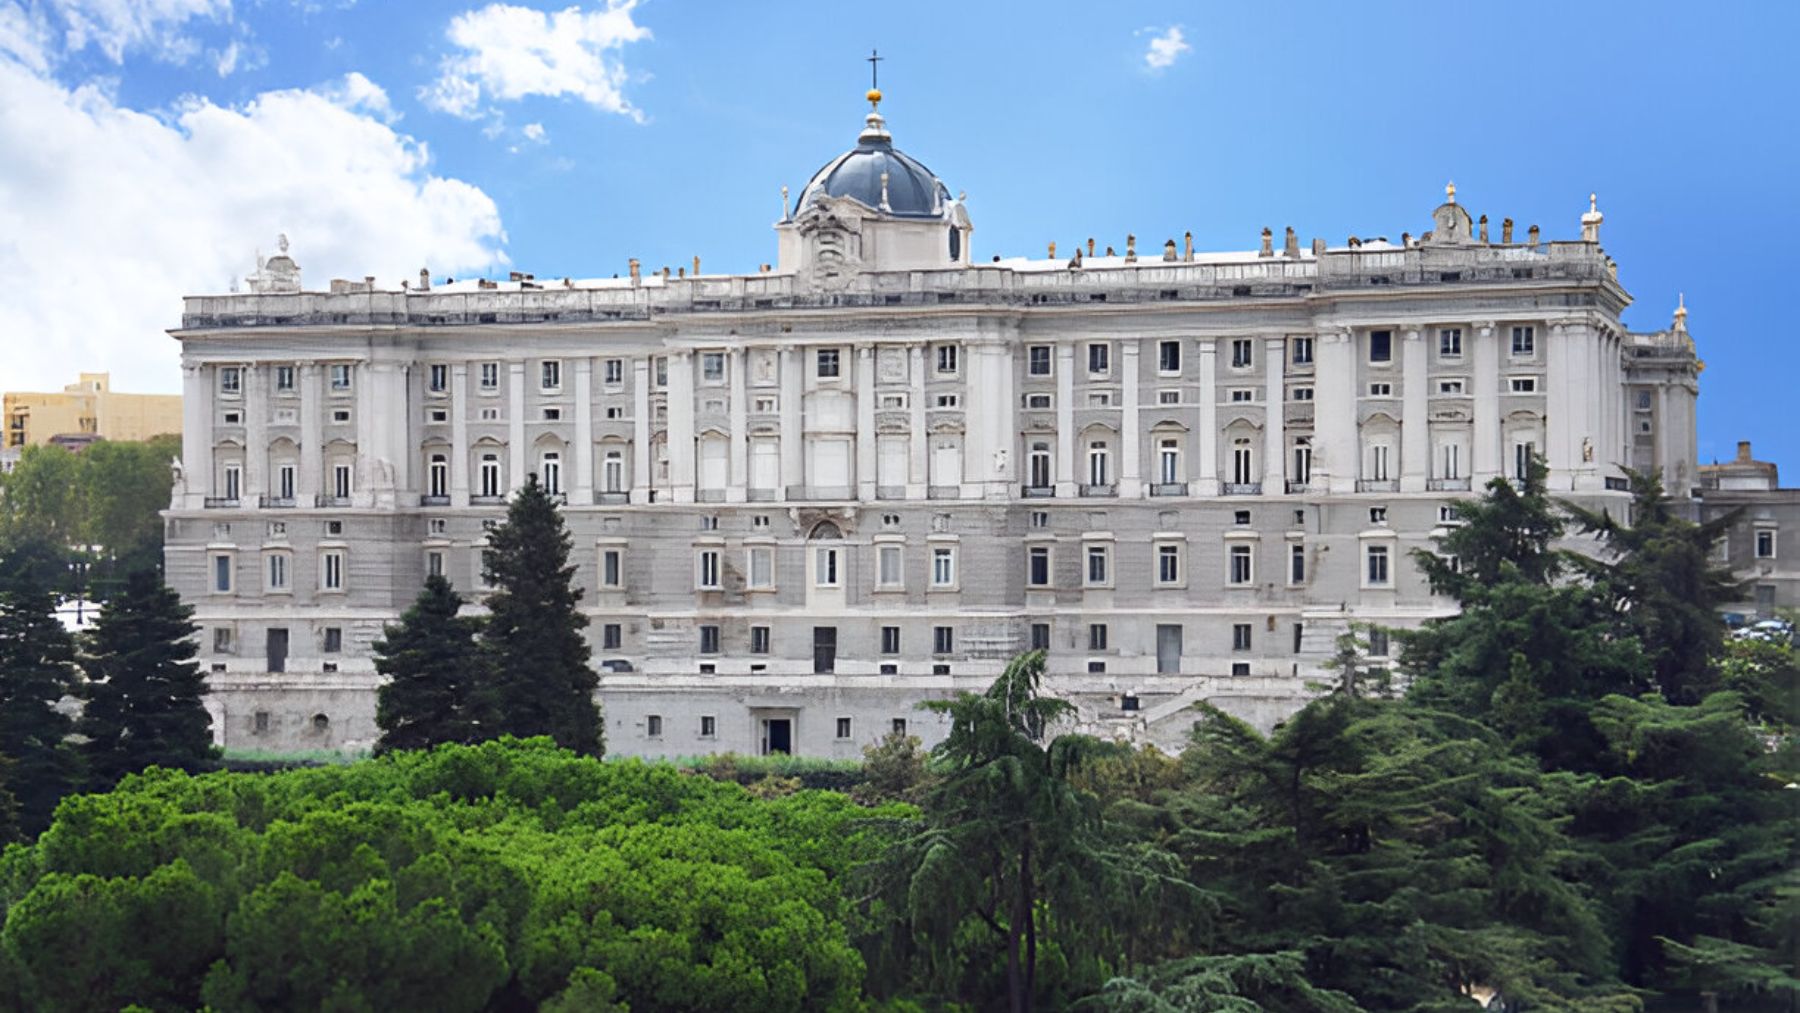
(1381, 346)
(1099, 359)
(1524, 385)
(278, 572)
(827, 360)
(1240, 571)
(550, 470)
(1168, 564)
(709, 639)
(333, 641)
(340, 416)
(825, 567)
(331, 571)
(490, 475)
(1040, 518)
(943, 566)
(1038, 401)
(1099, 472)
(231, 380)
(1523, 454)
(1243, 463)
(707, 577)
(946, 401)
(899, 726)
(1379, 456)
(1378, 566)
(612, 568)
(1240, 636)
(1296, 564)
(1302, 461)
(550, 374)
(1381, 390)
(234, 481)
(1301, 394)
(1243, 352)
(890, 640)
(1168, 397)
(1450, 343)
(1037, 360)
(1378, 643)
(1643, 400)
(612, 372)
(1303, 351)
(653, 726)
(759, 640)
(340, 377)
(222, 640)
(1168, 357)
(1378, 515)
(1450, 387)
(712, 367)
(612, 635)
(946, 358)
(1099, 559)
(490, 376)
(284, 379)
(434, 563)
(760, 562)
(709, 726)
(1037, 566)
(1241, 518)
(1524, 341)
(943, 640)
(1450, 460)
(1299, 636)
(1765, 544)
(1168, 461)
(437, 378)
(1040, 636)
(887, 566)
(261, 722)
(1100, 399)
(1243, 395)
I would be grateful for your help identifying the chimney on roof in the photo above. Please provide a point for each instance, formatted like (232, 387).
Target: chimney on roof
(1484, 237)
(1052, 249)
(1506, 231)
(1531, 235)
(696, 265)
(1130, 249)
(1318, 247)
(1187, 247)
(424, 280)
(1090, 246)
(1744, 452)
(515, 276)
(1290, 243)
(637, 277)
(1268, 243)
(1169, 250)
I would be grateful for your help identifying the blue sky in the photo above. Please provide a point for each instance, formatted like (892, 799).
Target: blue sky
(159, 146)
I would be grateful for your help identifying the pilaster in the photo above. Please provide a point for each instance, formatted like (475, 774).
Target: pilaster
(1335, 423)
(738, 418)
(918, 441)
(459, 434)
(681, 426)
(1206, 479)
(1131, 482)
(1066, 466)
(515, 425)
(1415, 412)
(1486, 456)
(864, 465)
(582, 491)
(1274, 417)
(641, 466)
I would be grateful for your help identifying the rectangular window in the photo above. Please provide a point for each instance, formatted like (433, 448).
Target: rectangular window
(612, 568)
(1038, 401)
(759, 640)
(334, 640)
(437, 378)
(1168, 357)
(1243, 395)
(1381, 390)
(653, 726)
(712, 367)
(1240, 636)
(887, 566)
(761, 560)
(709, 726)
(612, 372)
(340, 377)
(1378, 566)
(1096, 636)
(222, 640)
(1038, 360)
(943, 566)
(490, 376)
(611, 636)
(709, 639)
(827, 360)
(1303, 351)
(1099, 359)
(284, 378)
(707, 577)
(1168, 397)
(1451, 387)
(1524, 341)
(1040, 636)
(946, 359)
(1297, 564)
(1168, 564)
(890, 640)
(1243, 353)
(331, 571)
(434, 563)
(1524, 385)
(1037, 566)
(1240, 571)
(1099, 559)
(1765, 544)
(843, 728)
(1378, 643)
(278, 573)
(825, 567)
(1381, 346)
(1299, 636)
(1450, 343)
(899, 726)
(1301, 394)
(943, 640)
(231, 380)
(550, 374)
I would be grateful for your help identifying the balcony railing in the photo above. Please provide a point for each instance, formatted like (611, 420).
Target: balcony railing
(1168, 489)
(1377, 485)
(434, 501)
(1447, 484)
(1296, 487)
(487, 500)
(331, 501)
(1099, 490)
(1037, 491)
(278, 502)
(614, 497)
(222, 503)
(1241, 489)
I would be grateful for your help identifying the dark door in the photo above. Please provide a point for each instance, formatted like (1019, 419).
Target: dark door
(778, 736)
(1168, 650)
(824, 649)
(278, 647)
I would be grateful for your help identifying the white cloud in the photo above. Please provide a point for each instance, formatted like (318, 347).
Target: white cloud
(533, 132)
(109, 215)
(507, 53)
(1165, 48)
(115, 27)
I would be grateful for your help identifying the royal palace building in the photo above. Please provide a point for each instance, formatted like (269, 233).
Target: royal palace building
(807, 498)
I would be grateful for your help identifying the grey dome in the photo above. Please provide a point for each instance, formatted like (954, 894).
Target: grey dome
(912, 191)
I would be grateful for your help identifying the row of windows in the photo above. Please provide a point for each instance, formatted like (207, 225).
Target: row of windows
(224, 640)
(709, 726)
(278, 571)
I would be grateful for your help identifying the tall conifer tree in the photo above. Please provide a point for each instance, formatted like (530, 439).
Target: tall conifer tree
(435, 691)
(37, 667)
(541, 681)
(144, 688)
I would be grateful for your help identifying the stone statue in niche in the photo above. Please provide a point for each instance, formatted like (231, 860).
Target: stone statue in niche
(1587, 450)
(1000, 461)
(762, 367)
(890, 365)
(178, 490)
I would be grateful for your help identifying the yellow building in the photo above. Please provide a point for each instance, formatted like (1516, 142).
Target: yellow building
(89, 407)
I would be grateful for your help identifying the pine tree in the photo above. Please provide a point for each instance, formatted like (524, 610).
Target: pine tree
(144, 689)
(1507, 531)
(434, 667)
(37, 668)
(9, 808)
(537, 651)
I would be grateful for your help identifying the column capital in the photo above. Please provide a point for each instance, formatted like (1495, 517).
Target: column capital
(1483, 326)
(1412, 334)
(865, 350)
(1279, 341)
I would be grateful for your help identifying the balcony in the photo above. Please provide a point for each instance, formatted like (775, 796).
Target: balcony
(1241, 489)
(1093, 491)
(1037, 491)
(487, 500)
(1296, 488)
(278, 502)
(331, 501)
(1447, 484)
(434, 501)
(222, 503)
(1168, 489)
(943, 492)
(614, 496)
(1377, 485)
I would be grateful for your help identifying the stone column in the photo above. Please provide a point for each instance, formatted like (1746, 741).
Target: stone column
(1415, 412)
(515, 425)
(256, 436)
(793, 431)
(1067, 469)
(1131, 449)
(362, 385)
(1486, 458)
(583, 451)
(196, 434)
(1274, 417)
(312, 436)
(917, 447)
(681, 426)
(1206, 432)
(864, 465)
(1565, 409)
(738, 482)
(1335, 426)
(642, 468)
(459, 434)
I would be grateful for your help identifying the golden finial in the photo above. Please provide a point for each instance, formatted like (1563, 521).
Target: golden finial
(874, 92)
(1450, 192)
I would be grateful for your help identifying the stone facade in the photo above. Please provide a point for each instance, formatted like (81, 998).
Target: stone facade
(805, 499)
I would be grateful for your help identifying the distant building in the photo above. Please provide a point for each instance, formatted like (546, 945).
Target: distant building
(87, 408)
(1761, 546)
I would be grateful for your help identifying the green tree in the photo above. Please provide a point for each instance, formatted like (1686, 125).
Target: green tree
(44, 497)
(534, 636)
(9, 805)
(37, 666)
(1506, 534)
(126, 486)
(144, 689)
(434, 692)
(1667, 585)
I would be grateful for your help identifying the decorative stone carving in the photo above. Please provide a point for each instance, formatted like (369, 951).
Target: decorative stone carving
(762, 367)
(890, 365)
(832, 231)
(892, 423)
(947, 424)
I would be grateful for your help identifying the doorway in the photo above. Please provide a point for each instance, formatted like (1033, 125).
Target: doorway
(277, 650)
(824, 650)
(1168, 649)
(777, 736)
